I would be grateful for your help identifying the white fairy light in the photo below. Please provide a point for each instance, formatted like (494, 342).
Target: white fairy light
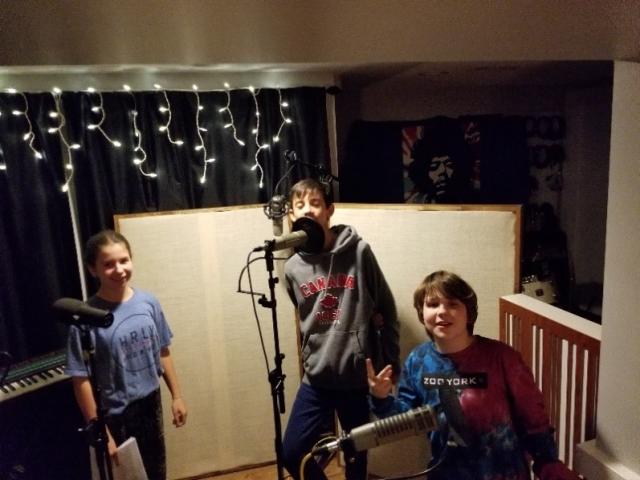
(29, 136)
(259, 146)
(231, 124)
(68, 166)
(98, 126)
(202, 147)
(285, 120)
(140, 156)
(167, 109)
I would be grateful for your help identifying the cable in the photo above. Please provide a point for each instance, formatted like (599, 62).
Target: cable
(312, 452)
(255, 312)
(286, 174)
(253, 300)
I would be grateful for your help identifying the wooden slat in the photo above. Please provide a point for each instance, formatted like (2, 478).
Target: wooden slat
(540, 341)
(592, 394)
(577, 426)
(555, 384)
(538, 356)
(570, 412)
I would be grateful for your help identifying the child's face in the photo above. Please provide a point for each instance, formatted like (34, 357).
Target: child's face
(313, 206)
(113, 266)
(446, 320)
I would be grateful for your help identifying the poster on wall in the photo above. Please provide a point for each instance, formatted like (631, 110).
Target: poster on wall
(437, 162)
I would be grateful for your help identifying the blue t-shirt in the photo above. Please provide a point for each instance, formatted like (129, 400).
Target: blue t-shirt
(127, 353)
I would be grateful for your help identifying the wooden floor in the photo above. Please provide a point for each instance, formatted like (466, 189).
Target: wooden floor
(269, 472)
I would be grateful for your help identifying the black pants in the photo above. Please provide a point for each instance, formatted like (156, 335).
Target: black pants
(142, 419)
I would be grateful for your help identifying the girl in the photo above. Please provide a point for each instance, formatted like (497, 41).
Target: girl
(130, 356)
(502, 407)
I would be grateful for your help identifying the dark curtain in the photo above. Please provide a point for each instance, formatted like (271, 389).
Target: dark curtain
(490, 151)
(372, 169)
(108, 182)
(37, 253)
(504, 159)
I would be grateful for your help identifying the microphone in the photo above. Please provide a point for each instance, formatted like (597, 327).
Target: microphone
(386, 430)
(306, 235)
(275, 210)
(289, 240)
(79, 313)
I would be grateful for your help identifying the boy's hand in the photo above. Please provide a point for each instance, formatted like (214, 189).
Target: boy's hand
(380, 385)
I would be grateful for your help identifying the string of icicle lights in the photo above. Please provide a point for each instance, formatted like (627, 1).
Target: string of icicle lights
(140, 157)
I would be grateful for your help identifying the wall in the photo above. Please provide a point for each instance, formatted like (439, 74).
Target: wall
(614, 454)
(583, 200)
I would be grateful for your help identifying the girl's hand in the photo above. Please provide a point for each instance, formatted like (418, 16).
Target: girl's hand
(380, 385)
(179, 410)
(112, 448)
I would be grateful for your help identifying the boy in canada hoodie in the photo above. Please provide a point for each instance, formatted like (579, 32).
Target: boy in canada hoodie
(347, 314)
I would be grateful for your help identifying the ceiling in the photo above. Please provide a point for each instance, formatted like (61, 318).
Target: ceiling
(424, 74)
(105, 43)
(455, 74)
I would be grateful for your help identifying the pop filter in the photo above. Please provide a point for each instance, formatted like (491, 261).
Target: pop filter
(315, 235)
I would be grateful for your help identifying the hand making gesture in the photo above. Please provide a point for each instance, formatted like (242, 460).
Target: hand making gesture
(380, 385)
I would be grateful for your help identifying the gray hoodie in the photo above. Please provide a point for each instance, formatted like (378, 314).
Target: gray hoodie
(337, 292)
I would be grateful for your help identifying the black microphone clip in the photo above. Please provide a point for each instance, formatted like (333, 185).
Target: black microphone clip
(277, 207)
(291, 156)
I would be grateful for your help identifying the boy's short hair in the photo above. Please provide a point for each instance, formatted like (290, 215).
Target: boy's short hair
(449, 285)
(306, 185)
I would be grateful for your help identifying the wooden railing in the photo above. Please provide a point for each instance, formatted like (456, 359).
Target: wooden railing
(563, 351)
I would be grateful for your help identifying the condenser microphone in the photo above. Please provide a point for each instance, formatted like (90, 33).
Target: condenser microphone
(306, 235)
(386, 430)
(77, 312)
(275, 210)
(289, 240)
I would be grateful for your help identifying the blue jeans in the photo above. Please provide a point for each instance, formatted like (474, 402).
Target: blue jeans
(312, 415)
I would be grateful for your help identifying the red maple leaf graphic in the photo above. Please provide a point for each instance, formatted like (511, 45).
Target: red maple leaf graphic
(329, 301)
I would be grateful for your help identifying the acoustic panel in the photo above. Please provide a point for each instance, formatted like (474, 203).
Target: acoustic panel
(192, 260)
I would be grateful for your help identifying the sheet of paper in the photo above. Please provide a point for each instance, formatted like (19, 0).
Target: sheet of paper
(130, 463)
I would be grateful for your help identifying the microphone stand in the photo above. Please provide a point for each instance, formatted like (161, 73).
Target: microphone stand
(96, 430)
(276, 377)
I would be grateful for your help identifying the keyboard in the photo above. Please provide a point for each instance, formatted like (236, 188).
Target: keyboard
(33, 374)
